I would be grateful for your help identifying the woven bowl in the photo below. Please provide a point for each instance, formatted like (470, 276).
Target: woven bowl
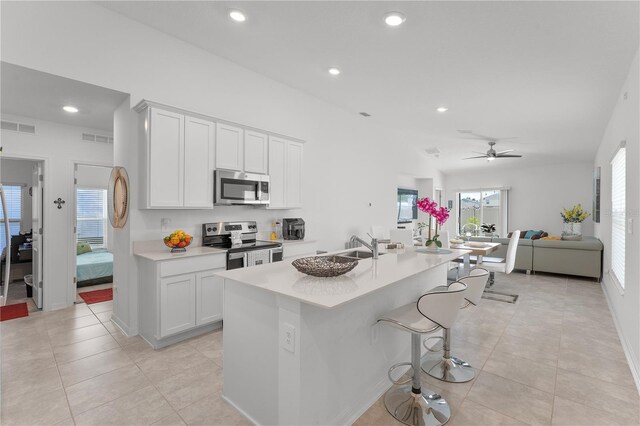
(324, 266)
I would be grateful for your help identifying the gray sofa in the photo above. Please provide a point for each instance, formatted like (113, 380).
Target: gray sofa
(582, 258)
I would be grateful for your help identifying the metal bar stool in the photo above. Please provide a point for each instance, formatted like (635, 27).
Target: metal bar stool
(412, 404)
(449, 368)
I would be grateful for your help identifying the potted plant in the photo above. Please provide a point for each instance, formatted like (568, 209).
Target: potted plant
(488, 229)
(572, 226)
(437, 214)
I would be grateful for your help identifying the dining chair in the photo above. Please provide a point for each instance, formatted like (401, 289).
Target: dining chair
(505, 267)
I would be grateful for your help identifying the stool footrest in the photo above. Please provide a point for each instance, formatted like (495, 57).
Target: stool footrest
(400, 381)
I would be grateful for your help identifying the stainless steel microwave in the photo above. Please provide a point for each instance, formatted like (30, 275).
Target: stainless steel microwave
(240, 188)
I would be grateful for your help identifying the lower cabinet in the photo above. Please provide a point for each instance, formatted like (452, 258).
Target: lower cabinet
(208, 297)
(189, 300)
(177, 304)
(179, 298)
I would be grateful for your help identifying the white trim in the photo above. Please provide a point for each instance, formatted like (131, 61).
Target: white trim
(613, 277)
(240, 410)
(634, 365)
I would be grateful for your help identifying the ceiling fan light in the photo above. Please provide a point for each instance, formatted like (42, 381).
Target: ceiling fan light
(491, 158)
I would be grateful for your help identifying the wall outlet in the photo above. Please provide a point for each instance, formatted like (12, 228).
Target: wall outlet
(289, 337)
(165, 224)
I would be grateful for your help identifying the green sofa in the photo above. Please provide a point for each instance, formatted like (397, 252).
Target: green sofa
(581, 258)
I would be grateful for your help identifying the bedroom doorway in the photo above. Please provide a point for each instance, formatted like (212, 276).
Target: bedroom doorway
(93, 235)
(23, 184)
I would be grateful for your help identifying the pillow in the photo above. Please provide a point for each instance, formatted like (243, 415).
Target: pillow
(530, 234)
(83, 248)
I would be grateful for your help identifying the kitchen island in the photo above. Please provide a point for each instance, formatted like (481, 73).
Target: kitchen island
(304, 350)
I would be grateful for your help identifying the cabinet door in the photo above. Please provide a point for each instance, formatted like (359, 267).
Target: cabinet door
(277, 150)
(177, 304)
(293, 175)
(166, 159)
(209, 290)
(198, 162)
(229, 147)
(255, 152)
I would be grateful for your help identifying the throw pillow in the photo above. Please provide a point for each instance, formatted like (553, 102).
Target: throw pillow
(529, 235)
(83, 248)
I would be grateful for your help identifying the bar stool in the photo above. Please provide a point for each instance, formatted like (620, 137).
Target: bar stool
(449, 368)
(413, 404)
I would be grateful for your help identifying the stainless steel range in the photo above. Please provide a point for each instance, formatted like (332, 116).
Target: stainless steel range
(239, 238)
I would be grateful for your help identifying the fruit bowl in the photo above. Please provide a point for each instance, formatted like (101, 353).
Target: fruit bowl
(178, 241)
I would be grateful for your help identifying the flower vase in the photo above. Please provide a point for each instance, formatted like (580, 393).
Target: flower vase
(572, 231)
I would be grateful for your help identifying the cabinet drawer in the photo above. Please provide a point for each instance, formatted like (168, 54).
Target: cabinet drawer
(193, 264)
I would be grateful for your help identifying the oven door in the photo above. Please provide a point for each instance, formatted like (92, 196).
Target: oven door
(243, 259)
(240, 188)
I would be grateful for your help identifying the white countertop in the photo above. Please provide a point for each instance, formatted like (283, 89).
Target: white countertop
(370, 275)
(157, 251)
(280, 240)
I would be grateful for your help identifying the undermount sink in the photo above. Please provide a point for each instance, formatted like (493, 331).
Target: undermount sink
(357, 254)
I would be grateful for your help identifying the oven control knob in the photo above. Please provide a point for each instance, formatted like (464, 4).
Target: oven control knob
(215, 229)
(209, 229)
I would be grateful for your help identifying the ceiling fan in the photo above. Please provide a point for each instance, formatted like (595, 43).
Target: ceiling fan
(491, 154)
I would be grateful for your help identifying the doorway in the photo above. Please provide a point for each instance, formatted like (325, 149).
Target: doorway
(92, 233)
(22, 248)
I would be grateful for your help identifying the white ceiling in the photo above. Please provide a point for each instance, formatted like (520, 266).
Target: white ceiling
(39, 95)
(546, 72)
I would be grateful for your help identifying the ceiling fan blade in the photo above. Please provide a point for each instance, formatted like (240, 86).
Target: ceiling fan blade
(472, 158)
(509, 156)
(477, 136)
(505, 139)
(505, 151)
(478, 152)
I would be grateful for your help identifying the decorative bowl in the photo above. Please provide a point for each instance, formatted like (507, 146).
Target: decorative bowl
(324, 266)
(178, 241)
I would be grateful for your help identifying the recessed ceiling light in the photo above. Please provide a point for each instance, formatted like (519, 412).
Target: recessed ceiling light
(237, 15)
(442, 109)
(394, 19)
(70, 108)
(334, 71)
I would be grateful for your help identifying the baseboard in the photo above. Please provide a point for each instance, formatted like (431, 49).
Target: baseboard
(127, 331)
(628, 353)
(350, 417)
(240, 410)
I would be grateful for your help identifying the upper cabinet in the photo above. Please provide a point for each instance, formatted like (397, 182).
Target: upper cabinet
(256, 152)
(229, 147)
(179, 157)
(285, 173)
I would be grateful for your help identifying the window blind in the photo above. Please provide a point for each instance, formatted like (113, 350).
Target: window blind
(13, 197)
(92, 216)
(618, 215)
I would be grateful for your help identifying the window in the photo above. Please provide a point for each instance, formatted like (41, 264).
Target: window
(92, 216)
(13, 197)
(618, 215)
(482, 206)
(407, 210)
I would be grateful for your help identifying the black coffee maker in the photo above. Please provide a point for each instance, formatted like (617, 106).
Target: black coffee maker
(293, 229)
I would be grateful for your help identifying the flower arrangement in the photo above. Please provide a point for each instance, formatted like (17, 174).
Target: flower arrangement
(488, 228)
(575, 215)
(439, 214)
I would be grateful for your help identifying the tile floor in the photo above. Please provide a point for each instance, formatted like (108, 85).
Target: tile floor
(548, 359)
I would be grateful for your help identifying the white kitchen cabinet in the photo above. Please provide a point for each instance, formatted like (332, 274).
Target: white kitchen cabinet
(199, 138)
(285, 173)
(209, 290)
(179, 160)
(165, 156)
(229, 147)
(256, 152)
(293, 175)
(177, 307)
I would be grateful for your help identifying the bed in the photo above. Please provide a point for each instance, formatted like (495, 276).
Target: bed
(94, 267)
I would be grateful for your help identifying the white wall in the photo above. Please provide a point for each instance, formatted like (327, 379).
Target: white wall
(59, 146)
(623, 125)
(96, 177)
(537, 194)
(20, 172)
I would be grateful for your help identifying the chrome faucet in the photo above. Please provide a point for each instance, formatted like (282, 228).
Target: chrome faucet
(373, 246)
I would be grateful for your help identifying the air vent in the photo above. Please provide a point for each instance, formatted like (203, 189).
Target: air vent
(365, 114)
(89, 137)
(18, 127)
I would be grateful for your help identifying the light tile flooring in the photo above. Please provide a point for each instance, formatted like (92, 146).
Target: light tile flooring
(552, 358)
